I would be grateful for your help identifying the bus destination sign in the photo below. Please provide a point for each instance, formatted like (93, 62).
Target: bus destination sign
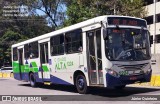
(126, 21)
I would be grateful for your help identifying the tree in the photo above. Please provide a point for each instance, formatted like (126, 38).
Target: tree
(77, 12)
(80, 10)
(131, 8)
(52, 9)
(14, 29)
(10, 37)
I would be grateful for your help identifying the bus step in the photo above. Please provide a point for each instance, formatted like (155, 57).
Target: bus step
(47, 83)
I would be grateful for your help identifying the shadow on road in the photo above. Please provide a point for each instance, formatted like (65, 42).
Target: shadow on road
(105, 92)
(54, 87)
(128, 91)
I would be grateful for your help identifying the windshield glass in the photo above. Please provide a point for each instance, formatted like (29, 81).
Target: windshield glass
(127, 44)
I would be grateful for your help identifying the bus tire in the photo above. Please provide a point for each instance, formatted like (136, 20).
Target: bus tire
(81, 84)
(32, 80)
(120, 87)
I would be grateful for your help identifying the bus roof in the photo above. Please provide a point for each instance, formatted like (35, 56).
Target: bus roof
(69, 28)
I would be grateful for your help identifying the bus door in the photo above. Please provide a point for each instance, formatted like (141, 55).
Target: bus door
(20, 60)
(94, 58)
(44, 61)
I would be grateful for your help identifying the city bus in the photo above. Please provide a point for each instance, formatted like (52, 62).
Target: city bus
(106, 51)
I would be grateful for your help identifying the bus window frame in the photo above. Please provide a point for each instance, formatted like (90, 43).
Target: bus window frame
(80, 41)
(34, 50)
(52, 44)
(15, 57)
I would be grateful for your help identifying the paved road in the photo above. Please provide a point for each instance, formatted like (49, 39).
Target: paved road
(14, 87)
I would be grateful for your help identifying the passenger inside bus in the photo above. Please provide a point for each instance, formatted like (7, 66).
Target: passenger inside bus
(31, 54)
(80, 47)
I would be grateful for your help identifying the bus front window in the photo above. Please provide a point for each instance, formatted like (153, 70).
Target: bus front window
(126, 44)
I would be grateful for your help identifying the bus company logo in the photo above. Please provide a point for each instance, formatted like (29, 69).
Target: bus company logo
(21, 98)
(6, 98)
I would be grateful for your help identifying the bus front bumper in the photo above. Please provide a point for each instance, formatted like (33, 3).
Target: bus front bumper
(112, 81)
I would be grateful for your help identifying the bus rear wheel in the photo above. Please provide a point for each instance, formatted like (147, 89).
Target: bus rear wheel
(32, 80)
(81, 84)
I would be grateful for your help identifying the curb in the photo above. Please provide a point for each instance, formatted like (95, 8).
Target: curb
(155, 82)
(6, 75)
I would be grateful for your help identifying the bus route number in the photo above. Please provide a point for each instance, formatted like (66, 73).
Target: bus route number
(123, 73)
(70, 63)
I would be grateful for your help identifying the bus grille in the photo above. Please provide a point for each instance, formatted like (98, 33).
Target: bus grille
(133, 67)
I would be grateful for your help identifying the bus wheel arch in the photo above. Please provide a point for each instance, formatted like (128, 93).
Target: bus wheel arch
(32, 79)
(80, 82)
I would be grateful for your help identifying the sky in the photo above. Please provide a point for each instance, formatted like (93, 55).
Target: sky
(62, 8)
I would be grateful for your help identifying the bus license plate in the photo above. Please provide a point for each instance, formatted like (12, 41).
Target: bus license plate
(137, 71)
(133, 78)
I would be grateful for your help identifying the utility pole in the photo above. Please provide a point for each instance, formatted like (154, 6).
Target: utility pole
(115, 9)
(154, 22)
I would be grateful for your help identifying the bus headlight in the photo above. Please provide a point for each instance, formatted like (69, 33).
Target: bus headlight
(112, 72)
(148, 71)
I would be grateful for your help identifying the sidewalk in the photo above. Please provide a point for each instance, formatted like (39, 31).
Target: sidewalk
(155, 64)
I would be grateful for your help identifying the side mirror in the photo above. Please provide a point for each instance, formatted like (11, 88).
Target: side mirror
(105, 34)
(150, 39)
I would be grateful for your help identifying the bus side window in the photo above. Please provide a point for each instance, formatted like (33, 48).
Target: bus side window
(80, 46)
(33, 50)
(26, 51)
(30, 51)
(15, 55)
(57, 45)
(73, 41)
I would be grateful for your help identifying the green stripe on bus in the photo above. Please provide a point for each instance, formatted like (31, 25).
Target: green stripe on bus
(45, 68)
(22, 68)
(15, 67)
(31, 69)
(35, 69)
(34, 64)
(26, 68)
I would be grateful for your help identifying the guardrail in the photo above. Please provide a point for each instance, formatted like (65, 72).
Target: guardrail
(6, 75)
(155, 82)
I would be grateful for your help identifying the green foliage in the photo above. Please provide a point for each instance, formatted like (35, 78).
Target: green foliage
(52, 10)
(132, 8)
(10, 37)
(77, 13)
(17, 29)
(80, 10)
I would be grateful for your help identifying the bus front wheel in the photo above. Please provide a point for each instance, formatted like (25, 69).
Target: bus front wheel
(81, 84)
(32, 80)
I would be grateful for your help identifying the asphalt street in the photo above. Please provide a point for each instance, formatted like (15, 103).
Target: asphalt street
(60, 93)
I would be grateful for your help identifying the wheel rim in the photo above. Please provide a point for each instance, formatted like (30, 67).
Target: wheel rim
(81, 83)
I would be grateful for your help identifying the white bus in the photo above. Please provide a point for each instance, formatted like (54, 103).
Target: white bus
(106, 51)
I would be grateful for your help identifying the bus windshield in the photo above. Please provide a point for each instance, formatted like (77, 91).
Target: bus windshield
(124, 44)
